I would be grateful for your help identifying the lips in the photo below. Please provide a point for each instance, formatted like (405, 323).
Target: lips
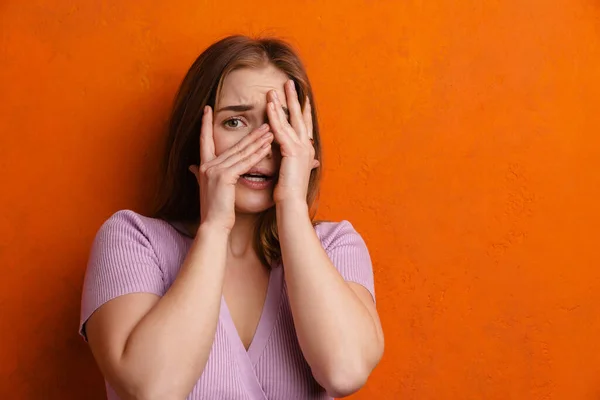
(257, 177)
(258, 172)
(257, 181)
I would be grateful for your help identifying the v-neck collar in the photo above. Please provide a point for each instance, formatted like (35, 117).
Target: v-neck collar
(247, 360)
(266, 322)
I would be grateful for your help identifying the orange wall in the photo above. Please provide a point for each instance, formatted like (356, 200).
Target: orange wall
(461, 139)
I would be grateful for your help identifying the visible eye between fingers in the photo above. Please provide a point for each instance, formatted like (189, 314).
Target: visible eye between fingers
(233, 123)
(276, 101)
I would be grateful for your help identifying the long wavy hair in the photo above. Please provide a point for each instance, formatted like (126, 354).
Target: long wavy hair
(178, 193)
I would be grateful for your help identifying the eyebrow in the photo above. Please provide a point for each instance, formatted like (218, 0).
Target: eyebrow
(247, 107)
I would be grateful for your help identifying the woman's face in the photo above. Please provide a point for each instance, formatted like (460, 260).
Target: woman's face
(247, 89)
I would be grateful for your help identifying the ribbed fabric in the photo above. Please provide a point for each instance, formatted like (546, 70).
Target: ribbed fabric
(133, 253)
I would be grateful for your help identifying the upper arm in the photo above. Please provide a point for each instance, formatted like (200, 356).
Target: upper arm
(367, 300)
(109, 328)
(123, 281)
(349, 254)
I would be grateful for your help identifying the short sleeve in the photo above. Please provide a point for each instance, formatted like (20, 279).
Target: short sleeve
(121, 261)
(348, 253)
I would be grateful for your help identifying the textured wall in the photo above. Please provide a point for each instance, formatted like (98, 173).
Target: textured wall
(461, 139)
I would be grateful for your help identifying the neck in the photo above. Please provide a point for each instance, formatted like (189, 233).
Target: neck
(242, 236)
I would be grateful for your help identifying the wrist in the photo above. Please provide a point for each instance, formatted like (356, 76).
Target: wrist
(213, 228)
(295, 206)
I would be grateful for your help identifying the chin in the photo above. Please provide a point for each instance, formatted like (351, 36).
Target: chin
(253, 201)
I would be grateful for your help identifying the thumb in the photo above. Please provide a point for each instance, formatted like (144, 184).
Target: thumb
(194, 170)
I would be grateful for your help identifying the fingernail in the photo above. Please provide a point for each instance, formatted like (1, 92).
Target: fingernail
(263, 127)
(205, 109)
(275, 95)
(292, 85)
(272, 106)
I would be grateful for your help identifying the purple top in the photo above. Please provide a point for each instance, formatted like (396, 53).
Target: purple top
(132, 253)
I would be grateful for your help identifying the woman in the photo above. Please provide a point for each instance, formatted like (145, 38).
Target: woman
(230, 291)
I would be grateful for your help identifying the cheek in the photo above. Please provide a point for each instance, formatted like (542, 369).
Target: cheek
(223, 140)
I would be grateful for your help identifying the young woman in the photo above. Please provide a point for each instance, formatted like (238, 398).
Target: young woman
(230, 290)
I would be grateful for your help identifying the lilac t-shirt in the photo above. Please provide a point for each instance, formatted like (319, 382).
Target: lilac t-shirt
(133, 253)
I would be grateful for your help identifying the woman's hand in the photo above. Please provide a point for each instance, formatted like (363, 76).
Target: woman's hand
(217, 176)
(294, 138)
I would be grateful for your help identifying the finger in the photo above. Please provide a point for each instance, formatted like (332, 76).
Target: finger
(207, 142)
(194, 170)
(243, 165)
(240, 145)
(296, 117)
(252, 147)
(281, 136)
(282, 117)
(278, 107)
(307, 116)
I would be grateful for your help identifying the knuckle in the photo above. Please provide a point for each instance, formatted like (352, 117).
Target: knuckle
(239, 154)
(235, 151)
(238, 147)
(212, 172)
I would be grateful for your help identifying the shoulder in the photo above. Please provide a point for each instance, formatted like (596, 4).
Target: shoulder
(337, 233)
(131, 223)
(348, 252)
(132, 252)
(127, 230)
(128, 219)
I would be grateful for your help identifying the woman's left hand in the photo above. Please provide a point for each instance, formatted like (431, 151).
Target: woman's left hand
(295, 140)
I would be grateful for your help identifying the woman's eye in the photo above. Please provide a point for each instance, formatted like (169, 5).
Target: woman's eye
(233, 123)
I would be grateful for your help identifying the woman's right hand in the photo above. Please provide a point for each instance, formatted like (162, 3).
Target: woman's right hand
(217, 176)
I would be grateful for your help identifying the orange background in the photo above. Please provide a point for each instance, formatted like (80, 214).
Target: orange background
(461, 139)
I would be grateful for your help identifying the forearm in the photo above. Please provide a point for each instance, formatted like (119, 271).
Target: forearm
(336, 332)
(169, 347)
